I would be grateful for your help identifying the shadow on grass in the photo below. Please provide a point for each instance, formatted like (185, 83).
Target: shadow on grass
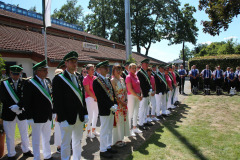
(170, 123)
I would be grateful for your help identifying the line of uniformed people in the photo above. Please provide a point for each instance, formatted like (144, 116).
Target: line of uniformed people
(225, 80)
(75, 100)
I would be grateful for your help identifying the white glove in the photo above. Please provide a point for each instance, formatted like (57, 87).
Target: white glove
(64, 124)
(30, 121)
(114, 108)
(53, 116)
(86, 118)
(15, 108)
(150, 92)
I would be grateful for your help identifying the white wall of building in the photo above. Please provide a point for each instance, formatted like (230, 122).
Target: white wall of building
(27, 65)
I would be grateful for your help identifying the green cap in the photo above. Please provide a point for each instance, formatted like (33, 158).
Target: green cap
(153, 66)
(40, 65)
(84, 66)
(161, 65)
(71, 55)
(145, 60)
(166, 67)
(126, 64)
(104, 63)
(61, 64)
(16, 69)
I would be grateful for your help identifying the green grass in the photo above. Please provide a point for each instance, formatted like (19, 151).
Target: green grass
(17, 133)
(204, 127)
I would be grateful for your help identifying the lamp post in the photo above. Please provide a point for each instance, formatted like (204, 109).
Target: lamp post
(128, 42)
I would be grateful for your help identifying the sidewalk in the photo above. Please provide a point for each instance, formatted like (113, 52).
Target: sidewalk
(90, 147)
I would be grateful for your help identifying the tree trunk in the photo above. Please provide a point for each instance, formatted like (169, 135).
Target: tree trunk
(183, 56)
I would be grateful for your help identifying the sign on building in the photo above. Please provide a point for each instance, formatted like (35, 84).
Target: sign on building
(90, 46)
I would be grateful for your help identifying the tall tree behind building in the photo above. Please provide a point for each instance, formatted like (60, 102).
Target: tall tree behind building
(70, 13)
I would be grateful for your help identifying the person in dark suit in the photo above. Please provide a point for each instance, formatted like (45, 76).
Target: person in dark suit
(161, 92)
(37, 103)
(154, 69)
(70, 107)
(106, 100)
(11, 91)
(182, 72)
(146, 88)
(126, 71)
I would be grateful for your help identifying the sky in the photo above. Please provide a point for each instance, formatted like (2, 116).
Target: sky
(160, 50)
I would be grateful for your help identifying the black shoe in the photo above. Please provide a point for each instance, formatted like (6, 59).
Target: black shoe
(142, 128)
(160, 117)
(49, 158)
(59, 150)
(12, 158)
(112, 151)
(106, 154)
(169, 109)
(28, 154)
(165, 115)
(148, 124)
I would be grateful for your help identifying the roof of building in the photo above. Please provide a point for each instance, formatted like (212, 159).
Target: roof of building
(26, 41)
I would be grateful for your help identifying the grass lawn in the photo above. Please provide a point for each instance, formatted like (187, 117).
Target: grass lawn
(17, 133)
(204, 127)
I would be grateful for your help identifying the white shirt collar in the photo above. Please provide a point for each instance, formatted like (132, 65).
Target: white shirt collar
(15, 81)
(39, 79)
(102, 76)
(70, 74)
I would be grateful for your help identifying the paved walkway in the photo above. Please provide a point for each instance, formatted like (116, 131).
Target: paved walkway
(90, 147)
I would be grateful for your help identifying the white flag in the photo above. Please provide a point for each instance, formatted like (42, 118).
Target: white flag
(47, 13)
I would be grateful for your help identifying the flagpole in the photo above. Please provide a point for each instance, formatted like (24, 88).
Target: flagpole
(45, 43)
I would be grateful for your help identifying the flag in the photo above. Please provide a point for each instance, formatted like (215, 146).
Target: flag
(46, 13)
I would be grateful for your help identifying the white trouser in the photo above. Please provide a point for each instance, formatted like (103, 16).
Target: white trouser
(143, 110)
(153, 104)
(176, 94)
(169, 99)
(92, 108)
(74, 133)
(161, 103)
(57, 134)
(9, 128)
(133, 108)
(41, 130)
(106, 132)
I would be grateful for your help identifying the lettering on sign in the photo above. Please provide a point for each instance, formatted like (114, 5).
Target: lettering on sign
(90, 46)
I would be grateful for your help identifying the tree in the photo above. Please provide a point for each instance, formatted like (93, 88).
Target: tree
(2, 64)
(33, 9)
(70, 13)
(149, 20)
(187, 53)
(185, 30)
(227, 48)
(100, 22)
(220, 13)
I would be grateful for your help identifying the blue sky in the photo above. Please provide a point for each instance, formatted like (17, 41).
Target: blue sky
(160, 50)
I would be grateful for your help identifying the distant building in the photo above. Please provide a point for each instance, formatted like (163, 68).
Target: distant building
(22, 42)
(180, 62)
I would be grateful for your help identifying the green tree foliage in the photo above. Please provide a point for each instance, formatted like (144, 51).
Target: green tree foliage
(186, 29)
(220, 13)
(100, 22)
(70, 13)
(151, 20)
(187, 53)
(33, 9)
(2, 64)
(216, 48)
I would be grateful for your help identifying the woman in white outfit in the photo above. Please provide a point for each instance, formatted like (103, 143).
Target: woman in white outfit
(91, 102)
(121, 123)
(134, 91)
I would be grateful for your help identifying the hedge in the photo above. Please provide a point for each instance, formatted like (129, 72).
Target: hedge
(223, 60)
